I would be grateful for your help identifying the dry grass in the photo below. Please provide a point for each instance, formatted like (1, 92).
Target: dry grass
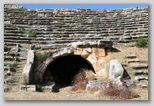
(115, 92)
(79, 82)
(123, 93)
(81, 79)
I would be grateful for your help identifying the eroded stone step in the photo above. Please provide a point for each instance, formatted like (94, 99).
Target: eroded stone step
(127, 44)
(143, 84)
(11, 58)
(139, 78)
(137, 72)
(17, 41)
(136, 60)
(131, 56)
(139, 66)
(16, 38)
(9, 53)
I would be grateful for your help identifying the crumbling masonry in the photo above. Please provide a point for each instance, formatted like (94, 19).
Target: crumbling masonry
(81, 32)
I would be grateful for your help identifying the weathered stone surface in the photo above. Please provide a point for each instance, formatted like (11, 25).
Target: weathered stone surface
(98, 52)
(97, 66)
(102, 74)
(92, 59)
(79, 51)
(27, 71)
(27, 88)
(128, 82)
(58, 28)
(85, 52)
(96, 83)
(48, 86)
(116, 70)
(139, 66)
(143, 84)
(138, 78)
(130, 56)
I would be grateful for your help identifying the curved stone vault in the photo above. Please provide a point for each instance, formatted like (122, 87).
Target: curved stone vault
(65, 63)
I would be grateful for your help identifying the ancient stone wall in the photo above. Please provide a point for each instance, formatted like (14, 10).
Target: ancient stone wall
(54, 29)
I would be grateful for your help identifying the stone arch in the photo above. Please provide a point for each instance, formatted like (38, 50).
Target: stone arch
(57, 55)
(63, 69)
(91, 52)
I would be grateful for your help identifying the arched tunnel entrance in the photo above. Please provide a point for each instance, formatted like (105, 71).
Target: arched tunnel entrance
(63, 69)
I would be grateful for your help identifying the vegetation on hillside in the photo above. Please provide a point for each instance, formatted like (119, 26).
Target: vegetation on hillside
(142, 42)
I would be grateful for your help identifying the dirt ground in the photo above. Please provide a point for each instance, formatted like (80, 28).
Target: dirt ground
(119, 52)
(65, 93)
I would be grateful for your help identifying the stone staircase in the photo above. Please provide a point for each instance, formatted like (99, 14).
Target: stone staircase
(138, 70)
(56, 28)
(14, 60)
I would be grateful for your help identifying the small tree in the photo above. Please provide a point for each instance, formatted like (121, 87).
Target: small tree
(141, 42)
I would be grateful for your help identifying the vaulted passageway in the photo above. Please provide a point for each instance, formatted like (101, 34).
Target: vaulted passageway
(63, 69)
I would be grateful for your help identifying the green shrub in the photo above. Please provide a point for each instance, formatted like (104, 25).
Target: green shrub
(141, 42)
(31, 32)
(40, 56)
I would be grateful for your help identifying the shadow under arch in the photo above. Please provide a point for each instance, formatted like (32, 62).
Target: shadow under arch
(64, 68)
(63, 65)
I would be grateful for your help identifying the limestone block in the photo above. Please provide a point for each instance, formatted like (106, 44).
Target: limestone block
(30, 57)
(98, 52)
(28, 68)
(116, 70)
(85, 52)
(79, 51)
(27, 88)
(7, 22)
(102, 61)
(97, 66)
(96, 83)
(48, 86)
(92, 59)
(88, 50)
(26, 73)
(103, 73)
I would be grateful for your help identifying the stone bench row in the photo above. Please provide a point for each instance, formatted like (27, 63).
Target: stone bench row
(139, 72)
(136, 60)
(94, 24)
(14, 58)
(82, 19)
(59, 15)
(139, 78)
(69, 25)
(72, 14)
(89, 30)
(107, 29)
(139, 66)
(59, 36)
(143, 84)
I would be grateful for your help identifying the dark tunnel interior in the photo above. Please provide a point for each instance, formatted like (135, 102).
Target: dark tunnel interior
(63, 69)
